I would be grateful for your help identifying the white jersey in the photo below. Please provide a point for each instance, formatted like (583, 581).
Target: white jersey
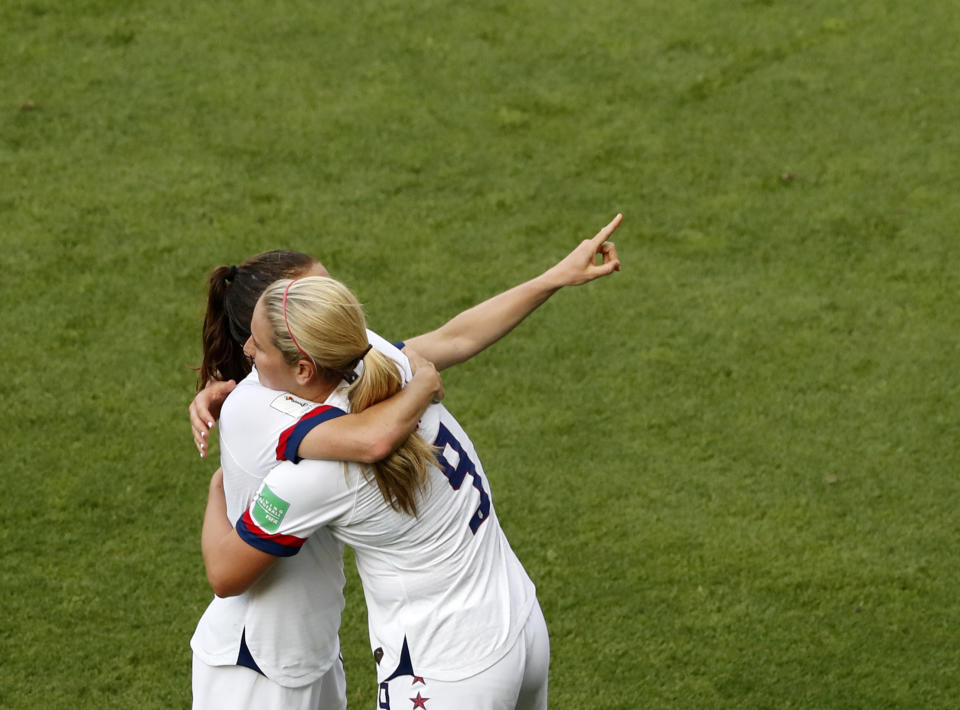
(446, 595)
(290, 618)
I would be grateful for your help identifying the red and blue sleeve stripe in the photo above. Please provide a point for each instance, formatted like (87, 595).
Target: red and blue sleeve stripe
(292, 436)
(277, 545)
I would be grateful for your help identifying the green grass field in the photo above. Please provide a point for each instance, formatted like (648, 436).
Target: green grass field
(731, 469)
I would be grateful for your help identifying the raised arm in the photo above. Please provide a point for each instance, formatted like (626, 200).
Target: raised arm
(479, 327)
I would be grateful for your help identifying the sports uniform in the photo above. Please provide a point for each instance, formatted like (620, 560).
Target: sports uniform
(277, 644)
(447, 599)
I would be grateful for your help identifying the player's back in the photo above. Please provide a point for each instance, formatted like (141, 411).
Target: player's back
(446, 581)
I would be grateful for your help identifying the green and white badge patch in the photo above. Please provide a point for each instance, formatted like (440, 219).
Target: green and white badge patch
(269, 509)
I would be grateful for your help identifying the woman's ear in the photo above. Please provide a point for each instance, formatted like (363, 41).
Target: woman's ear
(305, 372)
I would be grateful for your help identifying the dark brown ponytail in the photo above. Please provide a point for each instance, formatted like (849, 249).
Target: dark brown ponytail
(232, 296)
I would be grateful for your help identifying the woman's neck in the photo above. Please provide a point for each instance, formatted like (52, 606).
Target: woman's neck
(316, 390)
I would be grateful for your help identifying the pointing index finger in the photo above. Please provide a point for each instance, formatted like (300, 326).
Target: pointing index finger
(605, 233)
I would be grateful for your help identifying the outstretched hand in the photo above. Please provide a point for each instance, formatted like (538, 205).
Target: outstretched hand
(205, 410)
(581, 266)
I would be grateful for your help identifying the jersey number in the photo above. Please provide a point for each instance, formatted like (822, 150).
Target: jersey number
(464, 467)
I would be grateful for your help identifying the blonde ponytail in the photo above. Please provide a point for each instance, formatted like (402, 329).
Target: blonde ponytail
(320, 318)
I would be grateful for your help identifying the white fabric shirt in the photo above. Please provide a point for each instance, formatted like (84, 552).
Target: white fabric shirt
(446, 582)
(291, 616)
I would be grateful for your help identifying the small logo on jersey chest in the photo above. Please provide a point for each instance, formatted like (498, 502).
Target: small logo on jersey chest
(288, 404)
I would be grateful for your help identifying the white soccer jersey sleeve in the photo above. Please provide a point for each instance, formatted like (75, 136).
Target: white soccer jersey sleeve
(293, 503)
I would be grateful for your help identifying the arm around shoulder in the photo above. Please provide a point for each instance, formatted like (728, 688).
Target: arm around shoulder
(374, 433)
